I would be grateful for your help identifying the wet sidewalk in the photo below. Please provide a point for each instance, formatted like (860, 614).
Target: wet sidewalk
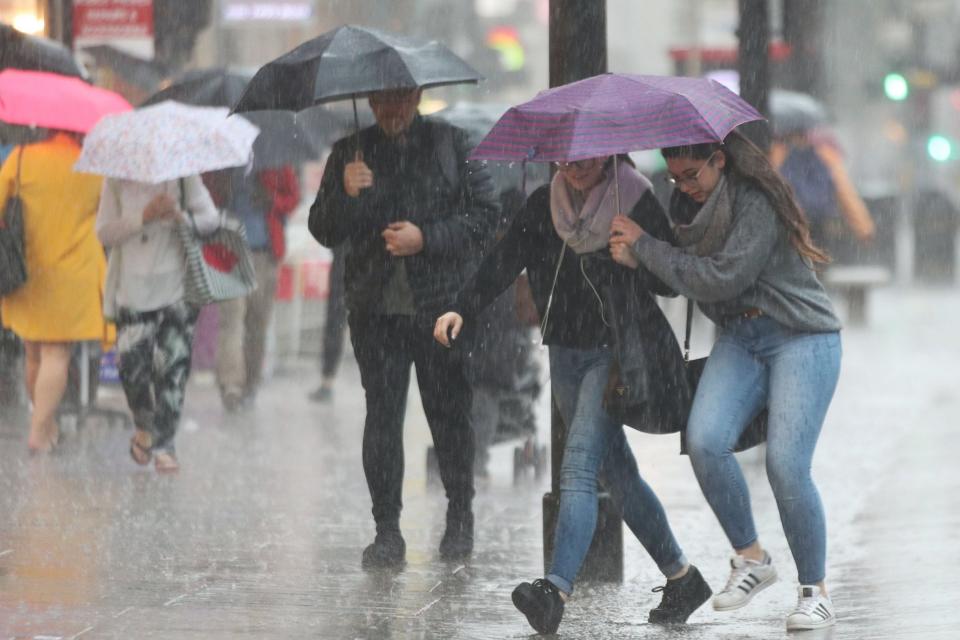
(260, 534)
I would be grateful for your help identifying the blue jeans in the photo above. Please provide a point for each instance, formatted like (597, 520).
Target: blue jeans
(755, 363)
(579, 378)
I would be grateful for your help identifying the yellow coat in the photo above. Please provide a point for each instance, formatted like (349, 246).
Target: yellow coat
(61, 300)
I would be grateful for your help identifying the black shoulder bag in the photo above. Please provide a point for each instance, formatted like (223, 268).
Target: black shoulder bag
(755, 433)
(13, 263)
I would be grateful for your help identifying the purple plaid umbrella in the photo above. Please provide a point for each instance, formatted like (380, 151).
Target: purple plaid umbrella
(615, 113)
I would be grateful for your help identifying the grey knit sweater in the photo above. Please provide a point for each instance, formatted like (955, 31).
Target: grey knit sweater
(757, 267)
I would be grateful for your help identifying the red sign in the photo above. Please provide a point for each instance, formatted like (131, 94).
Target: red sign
(107, 19)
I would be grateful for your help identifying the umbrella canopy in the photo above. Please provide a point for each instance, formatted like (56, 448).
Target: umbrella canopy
(285, 137)
(166, 141)
(794, 112)
(477, 119)
(138, 72)
(53, 101)
(350, 62)
(216, 87)
(615, 113)
(30, 53)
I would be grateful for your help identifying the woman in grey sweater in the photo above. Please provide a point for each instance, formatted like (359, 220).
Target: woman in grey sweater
(746, 258)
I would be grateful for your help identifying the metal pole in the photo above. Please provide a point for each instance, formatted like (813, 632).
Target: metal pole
(578, 50)
(754, 65)
(803, 33)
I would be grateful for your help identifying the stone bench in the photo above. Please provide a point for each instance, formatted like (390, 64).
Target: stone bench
(853, 282)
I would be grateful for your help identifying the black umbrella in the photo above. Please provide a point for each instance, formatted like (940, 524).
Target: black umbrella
(477, 119)
(351, 62)
(30, 53)
(139, 72)
(202, 87)
(285, 137)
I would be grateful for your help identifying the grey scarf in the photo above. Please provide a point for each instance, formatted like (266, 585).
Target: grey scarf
(708, 231)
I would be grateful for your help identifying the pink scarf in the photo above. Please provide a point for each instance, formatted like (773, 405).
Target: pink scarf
(587, 228)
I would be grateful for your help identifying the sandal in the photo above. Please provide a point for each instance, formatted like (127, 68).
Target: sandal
(140, 454)
(166, 462)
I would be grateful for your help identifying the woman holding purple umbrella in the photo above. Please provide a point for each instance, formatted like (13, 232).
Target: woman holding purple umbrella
(560, 237)
(746, 257)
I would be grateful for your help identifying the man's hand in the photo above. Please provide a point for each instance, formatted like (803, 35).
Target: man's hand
(403, 239)
(447, 327)
(356, 176)
(162, 207)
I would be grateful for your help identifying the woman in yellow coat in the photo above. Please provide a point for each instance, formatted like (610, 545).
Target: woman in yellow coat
(60, 303)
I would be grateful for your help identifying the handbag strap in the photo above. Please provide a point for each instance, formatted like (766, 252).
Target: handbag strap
(686, 337)
(556, 275)
(22, 149)
(183, 205)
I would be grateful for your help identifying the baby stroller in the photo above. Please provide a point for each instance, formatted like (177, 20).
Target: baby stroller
(505, 379)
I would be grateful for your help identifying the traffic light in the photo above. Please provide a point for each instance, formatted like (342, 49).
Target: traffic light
(896, 87)
(939, 148)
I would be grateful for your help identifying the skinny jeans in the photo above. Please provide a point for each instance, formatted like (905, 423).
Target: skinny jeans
(755, 363)
(595, 441)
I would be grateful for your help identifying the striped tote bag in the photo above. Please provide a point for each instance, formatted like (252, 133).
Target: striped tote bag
(218, 264)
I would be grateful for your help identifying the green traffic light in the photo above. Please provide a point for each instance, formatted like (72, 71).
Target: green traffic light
(896, 87)
(939, 148)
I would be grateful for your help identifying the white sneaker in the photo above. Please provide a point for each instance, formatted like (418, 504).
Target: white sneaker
(813, 611)
(747, 578)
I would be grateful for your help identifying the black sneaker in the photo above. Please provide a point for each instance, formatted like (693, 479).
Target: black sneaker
(541, 603)
(388, 551)
(681, 597)
(457, 541)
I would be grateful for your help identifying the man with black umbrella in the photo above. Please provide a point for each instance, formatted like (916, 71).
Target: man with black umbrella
(417, 216)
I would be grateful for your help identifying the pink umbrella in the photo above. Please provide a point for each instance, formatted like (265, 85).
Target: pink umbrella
(52, 101)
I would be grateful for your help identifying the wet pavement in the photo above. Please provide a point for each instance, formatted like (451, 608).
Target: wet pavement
(260, 534)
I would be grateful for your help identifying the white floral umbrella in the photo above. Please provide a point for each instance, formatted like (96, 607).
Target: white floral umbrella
(166, 141)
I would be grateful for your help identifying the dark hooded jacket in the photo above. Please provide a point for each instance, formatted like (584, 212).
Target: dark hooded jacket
(532, 243)
(423, 178)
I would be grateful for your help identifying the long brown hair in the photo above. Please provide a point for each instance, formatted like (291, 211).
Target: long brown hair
(748, 163)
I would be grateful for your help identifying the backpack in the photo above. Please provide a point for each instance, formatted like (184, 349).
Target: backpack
(812, 183)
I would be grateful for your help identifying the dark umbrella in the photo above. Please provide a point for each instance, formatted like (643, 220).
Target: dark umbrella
(145, 74)
(30, 53)
(351, 62)
(794, 112)
(285, 137)
(477, 119)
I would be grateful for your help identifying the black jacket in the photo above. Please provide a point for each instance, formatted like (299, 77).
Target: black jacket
(426, 180)
(532, 243)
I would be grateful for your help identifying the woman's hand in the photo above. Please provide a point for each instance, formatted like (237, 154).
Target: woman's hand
(447, 328)
(624, 230)
(623, 254)
(162, 207)
(623, 233)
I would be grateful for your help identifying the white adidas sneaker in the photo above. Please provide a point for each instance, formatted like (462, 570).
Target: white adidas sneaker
(813, 611)
(747, 578)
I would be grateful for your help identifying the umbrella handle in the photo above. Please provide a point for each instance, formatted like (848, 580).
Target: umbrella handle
(616, 183)
(356, 128)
